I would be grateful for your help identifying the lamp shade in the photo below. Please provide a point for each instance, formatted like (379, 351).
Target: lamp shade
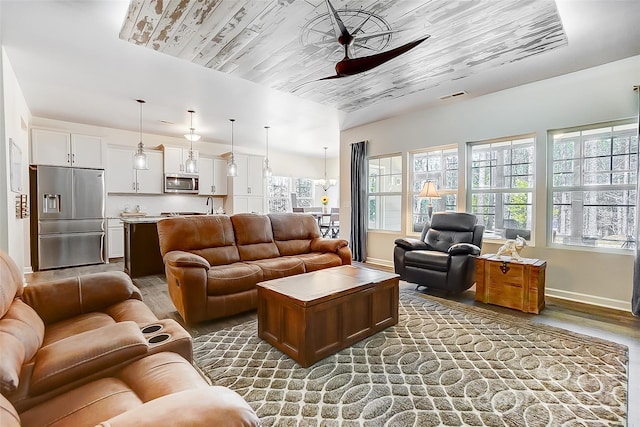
(429, 190)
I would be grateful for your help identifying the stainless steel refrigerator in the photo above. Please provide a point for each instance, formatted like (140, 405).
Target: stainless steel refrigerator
(69, 227)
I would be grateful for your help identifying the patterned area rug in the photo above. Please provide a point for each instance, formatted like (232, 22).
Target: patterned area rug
(445, 363)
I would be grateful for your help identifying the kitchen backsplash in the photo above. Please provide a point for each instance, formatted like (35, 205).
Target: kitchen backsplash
(154, 204)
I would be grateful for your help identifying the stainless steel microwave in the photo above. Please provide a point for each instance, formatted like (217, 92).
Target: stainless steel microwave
(176, 183)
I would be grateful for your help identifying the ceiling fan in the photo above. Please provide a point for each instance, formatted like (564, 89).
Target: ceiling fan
(352, 66)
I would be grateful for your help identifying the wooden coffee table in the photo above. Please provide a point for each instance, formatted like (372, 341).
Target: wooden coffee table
(314, 315)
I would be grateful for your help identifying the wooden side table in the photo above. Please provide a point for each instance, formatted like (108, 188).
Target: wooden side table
(508, 283)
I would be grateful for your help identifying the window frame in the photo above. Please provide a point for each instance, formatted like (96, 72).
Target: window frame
(398, 193)
(490, 234)
(597, 245)
(440, 178)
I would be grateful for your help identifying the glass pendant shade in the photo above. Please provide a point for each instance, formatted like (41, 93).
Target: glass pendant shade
(140, 158)
(191, 164)
(232, 167)
(267, 169)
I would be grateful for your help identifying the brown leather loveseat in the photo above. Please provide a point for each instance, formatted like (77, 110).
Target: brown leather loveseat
(213, 262)
(82, 352)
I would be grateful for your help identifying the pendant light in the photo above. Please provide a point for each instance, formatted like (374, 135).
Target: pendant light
(267, 168)
(326, 183)
(232, 168)
(191, 164)
(140, 158)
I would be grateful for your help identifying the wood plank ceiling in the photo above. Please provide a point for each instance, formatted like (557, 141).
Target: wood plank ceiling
(289, 44)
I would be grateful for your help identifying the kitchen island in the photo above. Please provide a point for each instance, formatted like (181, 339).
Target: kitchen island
(141, 248)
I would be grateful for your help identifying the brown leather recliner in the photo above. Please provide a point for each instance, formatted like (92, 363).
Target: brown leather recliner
(214, 262)
(74, 352)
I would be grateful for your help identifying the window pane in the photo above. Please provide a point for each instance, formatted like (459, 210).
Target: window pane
(385, 178)
(607, 157)
(441, 167)
(384, 213)
(278, 194)
(502, 183)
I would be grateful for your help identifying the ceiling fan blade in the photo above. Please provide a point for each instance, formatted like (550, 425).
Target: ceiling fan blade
(352, 66)
(344, 37)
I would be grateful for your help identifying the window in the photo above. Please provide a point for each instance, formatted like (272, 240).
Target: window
(279, 194)
(593, 185)
(501, 182)
(303, 189)
(385, 193)
(281, 190)
(439, 165)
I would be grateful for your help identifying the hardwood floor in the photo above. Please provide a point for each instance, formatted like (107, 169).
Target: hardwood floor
(608, 324)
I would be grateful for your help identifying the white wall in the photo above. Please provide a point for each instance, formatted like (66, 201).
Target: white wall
(590, 96)
(16, 118)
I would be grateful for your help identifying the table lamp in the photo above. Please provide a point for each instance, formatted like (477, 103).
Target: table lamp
(429, 192)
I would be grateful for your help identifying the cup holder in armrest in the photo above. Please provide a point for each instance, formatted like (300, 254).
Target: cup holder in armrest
(157, 339)
(149, 329)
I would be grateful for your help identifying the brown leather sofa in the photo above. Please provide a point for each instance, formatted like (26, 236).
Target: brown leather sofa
(87, 350)
(214, 262)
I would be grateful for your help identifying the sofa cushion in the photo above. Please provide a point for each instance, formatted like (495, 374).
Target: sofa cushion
(83, 354)
(146, 379)
(317, 261)
(254, 237)
(210, 236)
(274, 268)
(432, 260)
(233, 278)
(293, 232)
(131, 309)
(21, 335)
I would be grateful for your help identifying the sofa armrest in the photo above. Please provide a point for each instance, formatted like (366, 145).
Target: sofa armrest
(206, 406)
(464, 249)
(65, 298)
(327, 245)
(411, 244)
(185, 259)
(81, 355)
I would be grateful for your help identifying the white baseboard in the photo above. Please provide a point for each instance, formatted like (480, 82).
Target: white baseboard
(589, 299)
(380, 262)
(555, 293)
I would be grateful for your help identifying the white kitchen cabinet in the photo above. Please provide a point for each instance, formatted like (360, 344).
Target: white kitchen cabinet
(151, 181)
(123, 178)
(175, 159)
(250, 180)
(212, 176)
(59, 148)
(252, 204)
(247, 190)
(115, 231)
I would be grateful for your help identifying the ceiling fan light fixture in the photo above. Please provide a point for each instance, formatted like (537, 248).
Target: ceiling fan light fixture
(140, 158)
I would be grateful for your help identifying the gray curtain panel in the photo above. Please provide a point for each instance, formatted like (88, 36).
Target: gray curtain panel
(358, 239)
(635, 298)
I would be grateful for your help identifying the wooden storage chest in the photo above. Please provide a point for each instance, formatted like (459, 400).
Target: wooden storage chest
(512, 284)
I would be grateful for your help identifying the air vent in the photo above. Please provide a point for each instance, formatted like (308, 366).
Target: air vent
(453, 95)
